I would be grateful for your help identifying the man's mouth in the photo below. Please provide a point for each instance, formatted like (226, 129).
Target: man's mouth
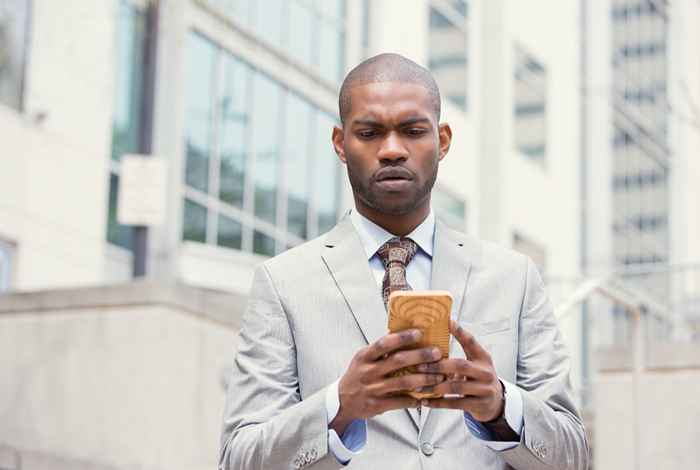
(393, 174)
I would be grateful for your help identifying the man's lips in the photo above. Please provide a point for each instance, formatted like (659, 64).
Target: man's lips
(393, 173)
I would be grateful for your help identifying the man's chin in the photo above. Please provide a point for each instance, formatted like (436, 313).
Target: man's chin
(395, 209)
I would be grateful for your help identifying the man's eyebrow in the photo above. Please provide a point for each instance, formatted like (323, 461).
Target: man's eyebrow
(414, 120)
(406, 122)
(366, 122)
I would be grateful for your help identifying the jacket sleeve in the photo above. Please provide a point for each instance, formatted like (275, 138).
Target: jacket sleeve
(266, 425)
(553, 435)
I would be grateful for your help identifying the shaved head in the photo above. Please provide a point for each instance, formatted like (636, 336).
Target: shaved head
(387, 68)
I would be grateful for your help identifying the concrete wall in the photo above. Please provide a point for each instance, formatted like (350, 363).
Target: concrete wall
(124, 377)
(650, 422)
(53, 171)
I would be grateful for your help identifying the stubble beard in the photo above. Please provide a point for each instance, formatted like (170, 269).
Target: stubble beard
(368, 196)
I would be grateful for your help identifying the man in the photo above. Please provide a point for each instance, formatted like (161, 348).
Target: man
(311, 386)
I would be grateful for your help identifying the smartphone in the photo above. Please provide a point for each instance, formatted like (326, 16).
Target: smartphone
(428, 311)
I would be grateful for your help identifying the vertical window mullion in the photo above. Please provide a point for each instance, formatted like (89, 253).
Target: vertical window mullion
(281, 213)
(215, 160)
(312, 213)
(249, 179)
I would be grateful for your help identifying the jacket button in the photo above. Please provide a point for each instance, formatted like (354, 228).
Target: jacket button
(427, 448)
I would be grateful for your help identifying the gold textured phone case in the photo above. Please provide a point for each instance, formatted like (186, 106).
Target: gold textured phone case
(428, 311)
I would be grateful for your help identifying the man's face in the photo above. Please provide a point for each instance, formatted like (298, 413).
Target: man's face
(392, 145)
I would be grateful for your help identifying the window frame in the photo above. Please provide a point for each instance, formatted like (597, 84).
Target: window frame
(522, 56)
(139, 7)
(245, 215)
(8, 253)
(26, 57)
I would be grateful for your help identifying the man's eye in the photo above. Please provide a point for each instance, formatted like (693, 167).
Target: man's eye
(415, 131)
(366, 134)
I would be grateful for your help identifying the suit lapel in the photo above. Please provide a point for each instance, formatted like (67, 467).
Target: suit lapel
(347, 263)
(346, 260)
(451, 267)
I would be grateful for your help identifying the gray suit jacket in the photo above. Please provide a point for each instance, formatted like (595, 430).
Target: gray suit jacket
(313, 307)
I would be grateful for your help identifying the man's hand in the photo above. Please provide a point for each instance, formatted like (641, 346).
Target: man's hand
(474, 379)
(365, 389)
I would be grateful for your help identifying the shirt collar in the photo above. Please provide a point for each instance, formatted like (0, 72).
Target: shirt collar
(373, 236)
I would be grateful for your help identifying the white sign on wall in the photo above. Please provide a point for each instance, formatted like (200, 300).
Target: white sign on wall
(142, 190)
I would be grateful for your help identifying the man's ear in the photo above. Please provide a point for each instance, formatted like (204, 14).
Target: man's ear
(445, 139)
(338, 143)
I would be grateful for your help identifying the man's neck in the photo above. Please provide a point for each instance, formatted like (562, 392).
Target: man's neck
(399, 225)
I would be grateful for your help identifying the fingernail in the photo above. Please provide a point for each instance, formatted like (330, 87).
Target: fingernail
(436, 353)
(416, 334)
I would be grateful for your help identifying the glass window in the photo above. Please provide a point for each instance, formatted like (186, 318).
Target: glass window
(332, 8)
(201, 61)
(128, 95)
(258, 123)
(297, 147)
(448, 55)
(240, 10)
(263, 244)
(6, 260)
(449, 208)
(268, 21)
(267, 98)
(327, 166)
(331, 51)
(14, 23)
(126, 124)
(194, 222)
(233, 124)
(117, 234)
(229, 233)
(300, 43)
(530, 109)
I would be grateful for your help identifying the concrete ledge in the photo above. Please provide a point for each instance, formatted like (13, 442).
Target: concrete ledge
(222, 307)
(614, 359)
(673, 356)
(658, 356)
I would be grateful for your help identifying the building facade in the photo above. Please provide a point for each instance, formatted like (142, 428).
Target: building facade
(243, 104)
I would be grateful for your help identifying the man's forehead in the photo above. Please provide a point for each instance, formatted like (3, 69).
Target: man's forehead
(382, 89)
(376, 99)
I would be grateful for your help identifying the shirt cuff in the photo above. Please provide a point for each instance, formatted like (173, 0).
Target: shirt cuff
(513, 413)
(353, 439)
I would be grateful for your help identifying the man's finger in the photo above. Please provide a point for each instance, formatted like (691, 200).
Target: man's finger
(392, 342)
(400, 359)
(471, 346)
(455, 367)
(407, 382)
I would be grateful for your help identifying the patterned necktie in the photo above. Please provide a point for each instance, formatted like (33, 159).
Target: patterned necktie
(395, 255)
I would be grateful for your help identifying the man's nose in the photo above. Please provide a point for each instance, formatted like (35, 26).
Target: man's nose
(392, 148)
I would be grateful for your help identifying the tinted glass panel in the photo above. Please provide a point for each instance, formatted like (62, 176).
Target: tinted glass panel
(229, 233)
(201, 57)
(194, 222)
(297, 149)
(126, 125)
(233, 142)
(326, 176)
(267, 98)
(14, 18)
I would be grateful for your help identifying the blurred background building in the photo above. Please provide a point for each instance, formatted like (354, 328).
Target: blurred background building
(576, 135)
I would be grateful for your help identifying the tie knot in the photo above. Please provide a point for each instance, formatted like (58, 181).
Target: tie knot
(397, 250)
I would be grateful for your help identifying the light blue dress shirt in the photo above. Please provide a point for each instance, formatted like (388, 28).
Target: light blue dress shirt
(418, 273)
